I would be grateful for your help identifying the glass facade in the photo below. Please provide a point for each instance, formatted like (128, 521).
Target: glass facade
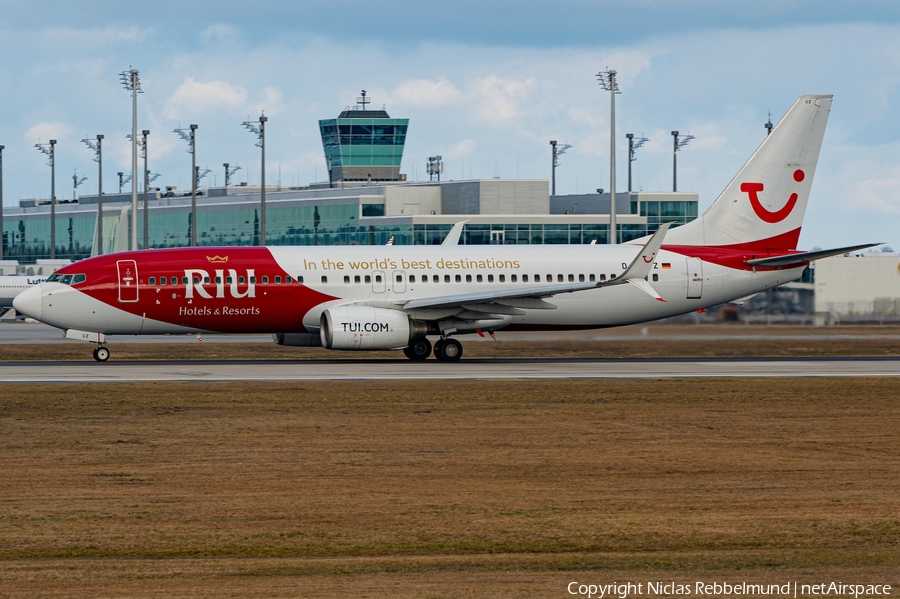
(27, 238)
(657, 213)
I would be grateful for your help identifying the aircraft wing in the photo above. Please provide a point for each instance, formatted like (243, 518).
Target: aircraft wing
(804, 257)
(638, 269)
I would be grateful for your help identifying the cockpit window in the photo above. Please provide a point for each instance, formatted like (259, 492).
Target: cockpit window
(53, 278)
(66, 280)
(78, 279)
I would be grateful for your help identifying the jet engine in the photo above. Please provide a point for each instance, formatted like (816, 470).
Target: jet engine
(297, 339)
(365, 327)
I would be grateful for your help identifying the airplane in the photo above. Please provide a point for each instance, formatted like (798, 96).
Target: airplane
(13, 285)
(396, 297)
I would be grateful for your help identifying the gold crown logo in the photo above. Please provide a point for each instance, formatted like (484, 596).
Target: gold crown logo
(215, 259)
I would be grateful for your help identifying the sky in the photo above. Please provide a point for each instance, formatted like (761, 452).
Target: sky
(484, 84)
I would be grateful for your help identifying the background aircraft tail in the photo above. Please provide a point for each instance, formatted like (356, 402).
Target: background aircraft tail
(764, 204)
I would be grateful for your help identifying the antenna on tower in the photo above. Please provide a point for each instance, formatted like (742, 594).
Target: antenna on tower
(362, 100)
(769, 124)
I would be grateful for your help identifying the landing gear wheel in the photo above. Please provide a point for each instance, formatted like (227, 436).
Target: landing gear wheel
(448, 350)
(101, 354)
(418, 350)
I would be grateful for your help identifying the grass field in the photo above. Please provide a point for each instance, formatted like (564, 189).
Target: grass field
(488, 489)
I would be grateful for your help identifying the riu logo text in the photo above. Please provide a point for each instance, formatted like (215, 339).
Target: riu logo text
(197, 276)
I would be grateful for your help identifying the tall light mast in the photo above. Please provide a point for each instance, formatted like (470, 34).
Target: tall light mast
(50, 150)
(98, 158)
(556, 151)
(260, 132)
(607, 80)
(632, 146)
(132, 83)
(677, 145)
(191, 138)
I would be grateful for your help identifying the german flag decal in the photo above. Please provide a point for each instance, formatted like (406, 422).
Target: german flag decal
(666, 265)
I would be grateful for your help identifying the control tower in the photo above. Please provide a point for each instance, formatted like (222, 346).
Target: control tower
(363, 144)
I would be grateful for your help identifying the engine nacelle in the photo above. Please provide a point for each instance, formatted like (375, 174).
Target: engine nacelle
(297, 339)
(365, 327)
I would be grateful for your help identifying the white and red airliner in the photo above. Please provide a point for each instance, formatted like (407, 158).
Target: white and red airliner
(396, 297)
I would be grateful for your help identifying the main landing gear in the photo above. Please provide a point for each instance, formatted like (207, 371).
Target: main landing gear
(445, 350)
(448, 350)
(101, 353)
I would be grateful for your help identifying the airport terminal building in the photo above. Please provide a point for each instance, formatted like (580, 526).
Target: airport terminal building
(366, 201)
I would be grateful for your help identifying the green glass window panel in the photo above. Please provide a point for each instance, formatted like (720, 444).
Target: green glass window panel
(373, 209)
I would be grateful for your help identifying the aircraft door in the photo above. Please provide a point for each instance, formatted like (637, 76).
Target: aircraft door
(378, 282)
(694, 278)
(498, 237)
(128, 280)
(399, 282)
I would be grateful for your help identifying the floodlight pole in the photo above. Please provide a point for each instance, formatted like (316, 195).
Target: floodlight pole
(1, 202)
(553, 167)
(193, 186)
(630, 137)
(99, 195)
(132, 83)
(675, 161)
(608, 82)
(145, 133)
(262, 194)
(52, 199)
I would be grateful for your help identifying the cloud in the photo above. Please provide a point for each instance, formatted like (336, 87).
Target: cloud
(193, 97)
(497, 100)
(94, 36)
(220, 31)
(424, 93)
(45, 131)
(271, 103)
(466, 146)
(881, 194)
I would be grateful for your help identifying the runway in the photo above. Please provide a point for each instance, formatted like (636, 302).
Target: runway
(473, 369)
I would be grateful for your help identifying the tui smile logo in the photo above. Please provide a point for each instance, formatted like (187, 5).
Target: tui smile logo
(752, 190)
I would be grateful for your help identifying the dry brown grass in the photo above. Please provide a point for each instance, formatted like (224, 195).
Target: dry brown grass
(505, 489)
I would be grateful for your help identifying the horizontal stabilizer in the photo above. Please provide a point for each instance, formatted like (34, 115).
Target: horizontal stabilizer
(804, 257)
(646, 288)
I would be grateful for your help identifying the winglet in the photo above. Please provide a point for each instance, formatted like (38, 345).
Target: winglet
(642, 264)
(452, 237)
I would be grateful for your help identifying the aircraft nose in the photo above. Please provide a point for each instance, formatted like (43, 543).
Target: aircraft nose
(29, 302)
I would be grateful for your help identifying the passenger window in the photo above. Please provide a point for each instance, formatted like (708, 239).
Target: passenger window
(265, 280)
(537, 278)
(277, 280)
(196, 280)
(287, 280)
(252, 280)
(581, 278)
(241, 280)
(377, 278)
(162, 280)
(424, 278)
(550, 278)
(602, 278)
(592, 278)
(324, 279)
(300, 279)
(346, 279)
(206, 280)
(152, 280)
(184, 280)
(559, 278)
(458, 278)
(412, 278)
(446, 278)
(468, 278)
(611, 277)
(502, 278)
(478, 278)
(228, 280)
(572, 278)
(655, 277)
(514, 278)
(368, 279)
(356, 279)
(399, 278)
(436, 279)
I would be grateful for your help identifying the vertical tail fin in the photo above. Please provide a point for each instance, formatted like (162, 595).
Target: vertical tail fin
(766, 200)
